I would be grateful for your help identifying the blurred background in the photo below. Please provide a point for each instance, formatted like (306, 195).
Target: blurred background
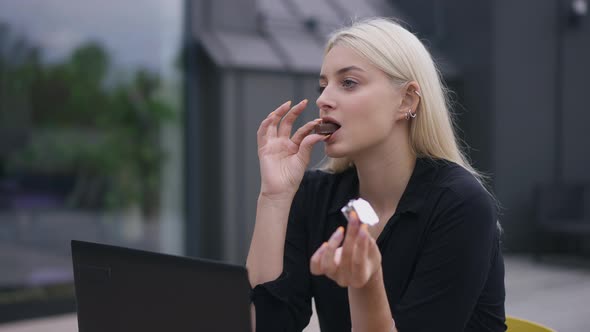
(134, 123)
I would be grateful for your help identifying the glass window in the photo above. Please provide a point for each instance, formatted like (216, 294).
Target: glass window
(90, 138)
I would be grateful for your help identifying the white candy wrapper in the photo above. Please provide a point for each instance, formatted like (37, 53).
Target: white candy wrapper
(363, 210)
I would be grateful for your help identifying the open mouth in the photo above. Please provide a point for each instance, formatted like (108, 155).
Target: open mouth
(326, 128)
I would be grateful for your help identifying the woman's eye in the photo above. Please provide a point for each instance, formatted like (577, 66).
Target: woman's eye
(321, 89)
(348, 84)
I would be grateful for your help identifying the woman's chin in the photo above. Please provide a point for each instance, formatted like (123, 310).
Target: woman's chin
(333, 151)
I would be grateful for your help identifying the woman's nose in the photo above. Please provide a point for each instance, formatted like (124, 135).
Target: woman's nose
(325, 101)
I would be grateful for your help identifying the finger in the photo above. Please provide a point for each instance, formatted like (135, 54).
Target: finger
(307, 144)
(328, 264)
(360, 258)
(305, 130)
(315, 265)
(288, 120)
(361, 252)
(354, 224)
(350, 239)
(342, 274)
(275, 117)
(262, 130)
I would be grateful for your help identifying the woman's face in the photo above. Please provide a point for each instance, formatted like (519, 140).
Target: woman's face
(362, 100)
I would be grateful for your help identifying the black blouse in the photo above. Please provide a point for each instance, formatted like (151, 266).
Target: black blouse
(442, 263)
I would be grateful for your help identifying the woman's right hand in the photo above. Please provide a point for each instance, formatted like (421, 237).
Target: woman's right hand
(283, 159)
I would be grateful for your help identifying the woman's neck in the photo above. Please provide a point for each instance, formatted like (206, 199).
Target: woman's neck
(384, 177)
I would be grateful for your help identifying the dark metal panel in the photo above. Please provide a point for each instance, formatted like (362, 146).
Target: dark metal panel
(249, 51)
(196, 17)
(215, 49)
(319, 10)
(459, 35)
(464, 37)
(277, 10)
(525, 90)
(301, 51)
(232, 15)
(191, 139)
(575, 110)
(257, 94)
(232, 155)
(356, 9)
(204, 127)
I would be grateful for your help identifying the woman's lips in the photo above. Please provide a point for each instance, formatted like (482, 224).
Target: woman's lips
(326, 128)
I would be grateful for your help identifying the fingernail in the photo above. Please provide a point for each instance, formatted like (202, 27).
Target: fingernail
(319, 250)
(304, 101)
(354, 218)
(362, 234)
(364, 231)
(338, 234)
(288, 103)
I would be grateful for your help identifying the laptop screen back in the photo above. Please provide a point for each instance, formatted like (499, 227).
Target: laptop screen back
(122, 289)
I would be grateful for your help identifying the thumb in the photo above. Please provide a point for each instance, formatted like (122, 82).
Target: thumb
(307, 145)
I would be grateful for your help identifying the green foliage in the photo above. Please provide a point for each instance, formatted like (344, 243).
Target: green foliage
(104, 133)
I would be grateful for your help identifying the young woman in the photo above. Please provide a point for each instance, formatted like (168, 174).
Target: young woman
(433, 262)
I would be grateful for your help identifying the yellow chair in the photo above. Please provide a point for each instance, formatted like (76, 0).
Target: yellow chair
(516, 324)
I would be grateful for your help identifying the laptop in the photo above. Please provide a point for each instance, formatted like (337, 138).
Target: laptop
(123, 289)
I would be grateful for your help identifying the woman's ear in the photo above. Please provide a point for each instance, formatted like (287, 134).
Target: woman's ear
(411, 96)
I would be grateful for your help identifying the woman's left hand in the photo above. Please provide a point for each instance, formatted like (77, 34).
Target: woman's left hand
(355, 262)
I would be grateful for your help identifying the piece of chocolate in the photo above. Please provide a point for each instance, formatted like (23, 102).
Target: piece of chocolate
(325, 128)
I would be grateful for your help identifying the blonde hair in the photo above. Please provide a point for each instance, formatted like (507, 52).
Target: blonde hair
(400, 55)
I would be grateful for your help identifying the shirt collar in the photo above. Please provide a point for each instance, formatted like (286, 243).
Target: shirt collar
(412, 199)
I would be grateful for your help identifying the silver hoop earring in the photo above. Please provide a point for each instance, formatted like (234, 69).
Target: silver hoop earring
(410, 115)
(418, 93)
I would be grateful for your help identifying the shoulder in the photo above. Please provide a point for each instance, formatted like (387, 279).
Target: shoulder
(454, 180)
(459, 194)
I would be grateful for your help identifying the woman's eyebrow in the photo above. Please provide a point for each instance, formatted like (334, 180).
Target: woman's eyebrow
(343, 70)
